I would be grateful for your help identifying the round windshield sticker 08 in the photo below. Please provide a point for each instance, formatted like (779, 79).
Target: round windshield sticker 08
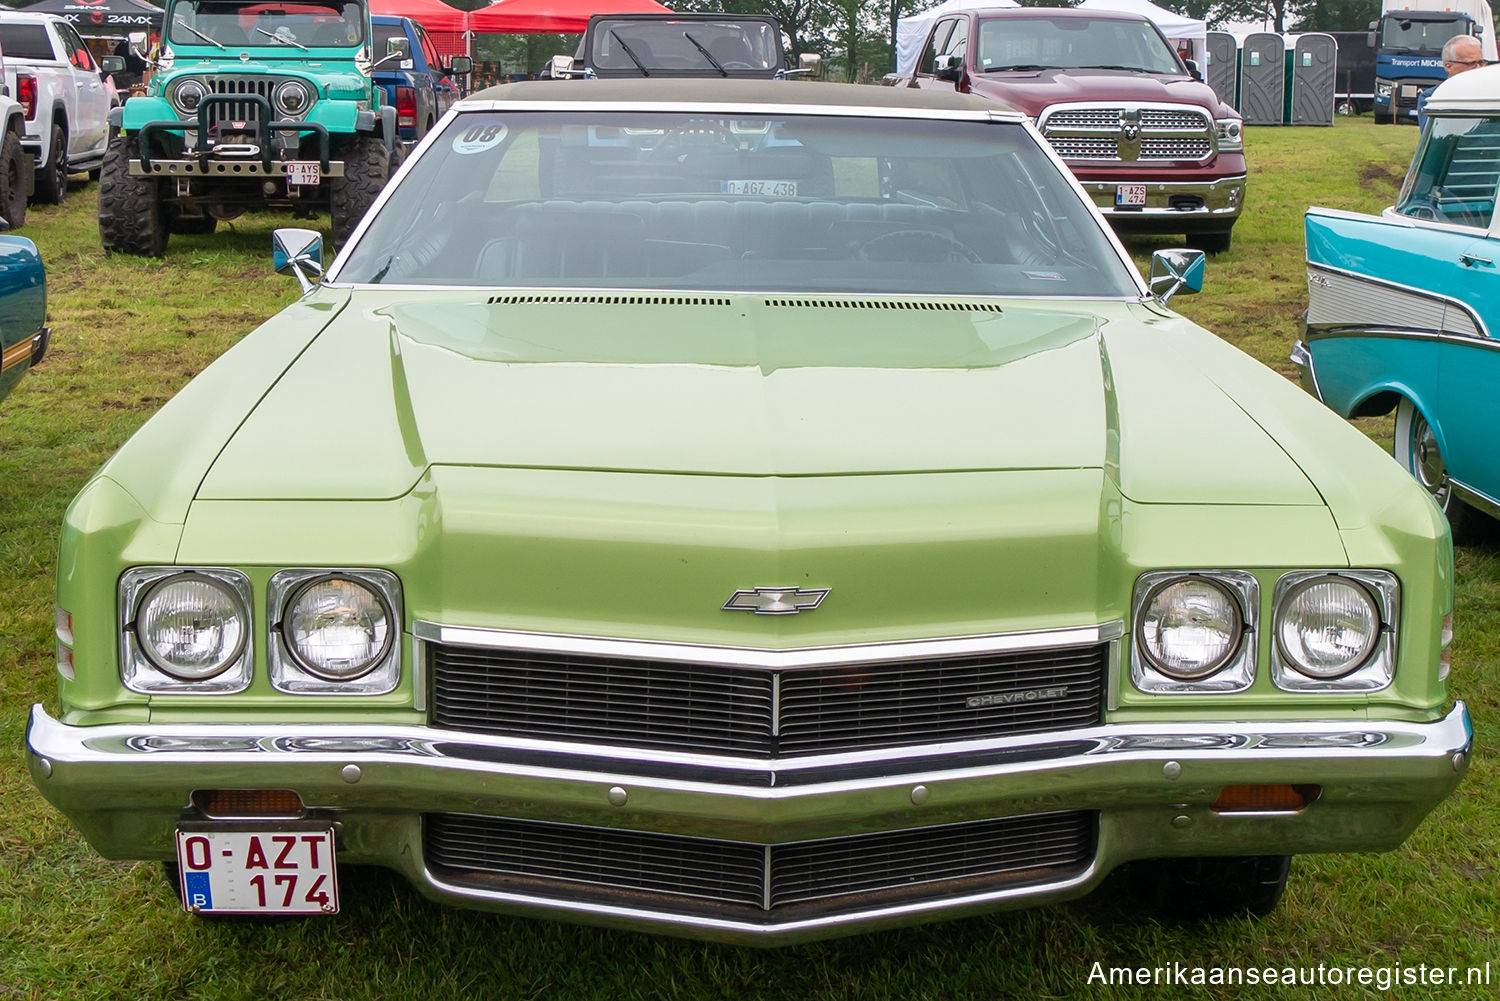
(478, 138)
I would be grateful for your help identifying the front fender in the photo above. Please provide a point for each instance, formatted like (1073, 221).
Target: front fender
(335, 116)
(139, 110)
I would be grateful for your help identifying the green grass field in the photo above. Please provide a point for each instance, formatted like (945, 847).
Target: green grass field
(129, 333)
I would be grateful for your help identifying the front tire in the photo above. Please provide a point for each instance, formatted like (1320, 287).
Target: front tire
(367, 166)
(1211, 888)
(131, 217)
(15, 180)
(52, 179)
(1417, 448)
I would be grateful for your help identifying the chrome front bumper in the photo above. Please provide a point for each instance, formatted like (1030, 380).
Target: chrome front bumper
(1222, 201)
(1152, 785)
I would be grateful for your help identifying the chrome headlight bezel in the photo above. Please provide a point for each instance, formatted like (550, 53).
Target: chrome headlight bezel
(183, 85)
(291, 674)
(1237, 670)
(309, 97)
(1229, 135)
(140, 673)
(1378, 668)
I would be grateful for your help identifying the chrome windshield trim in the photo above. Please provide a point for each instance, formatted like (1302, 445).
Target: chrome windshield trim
(757, 109)
(763, 293)
(771, 660)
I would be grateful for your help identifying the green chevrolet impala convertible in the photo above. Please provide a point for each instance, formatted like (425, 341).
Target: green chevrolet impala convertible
(756, 511)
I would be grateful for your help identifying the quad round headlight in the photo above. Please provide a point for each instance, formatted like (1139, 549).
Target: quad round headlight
(1327, 627)
(187, 95)
(1189, 628)
(191, 627)
(292, 98)
(336, 628)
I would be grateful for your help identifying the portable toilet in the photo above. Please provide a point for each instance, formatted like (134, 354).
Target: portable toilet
(1262, 78)
(1223, 68)
(1314, 79)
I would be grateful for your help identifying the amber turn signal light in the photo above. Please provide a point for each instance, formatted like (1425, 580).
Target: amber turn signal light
(1265, 798)
(227, 803)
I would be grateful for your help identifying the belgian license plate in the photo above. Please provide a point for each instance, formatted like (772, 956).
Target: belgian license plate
(773, 189)
(264, 871)
(1130, 194)
(304, 172)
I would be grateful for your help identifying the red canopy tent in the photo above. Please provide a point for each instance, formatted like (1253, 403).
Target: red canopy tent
(447, 26)
(528, 17)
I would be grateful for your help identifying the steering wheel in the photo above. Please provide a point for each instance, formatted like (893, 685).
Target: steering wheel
(918, 245)
(703, 137)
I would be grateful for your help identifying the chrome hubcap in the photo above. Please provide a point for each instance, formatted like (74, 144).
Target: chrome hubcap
(1428, 459)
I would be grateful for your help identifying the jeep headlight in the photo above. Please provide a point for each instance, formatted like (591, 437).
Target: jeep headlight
(335, 631)
(292, 98)
(187, 95)
(1229, 134)
(185, 630)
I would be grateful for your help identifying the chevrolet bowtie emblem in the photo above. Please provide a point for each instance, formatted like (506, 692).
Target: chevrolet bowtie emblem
(776, 600)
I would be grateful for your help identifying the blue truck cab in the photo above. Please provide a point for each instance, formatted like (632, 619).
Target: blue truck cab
(1409, 57)
(416, 81)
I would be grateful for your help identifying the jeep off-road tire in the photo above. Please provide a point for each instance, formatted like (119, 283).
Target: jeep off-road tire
(15, 180)
(132, 219)
(367, 166)
(52, 176)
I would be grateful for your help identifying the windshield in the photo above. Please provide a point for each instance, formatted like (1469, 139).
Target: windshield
(1412, 35)
(1073, 43)
(288, 24)
(1454, 176)
(799, 204)
(716, 48)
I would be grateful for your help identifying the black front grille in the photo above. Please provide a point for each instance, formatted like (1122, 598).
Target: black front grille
(235, 86)
(543, 859)
(761, 713)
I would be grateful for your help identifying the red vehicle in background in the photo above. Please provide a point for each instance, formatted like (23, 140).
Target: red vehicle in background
(1149, 141)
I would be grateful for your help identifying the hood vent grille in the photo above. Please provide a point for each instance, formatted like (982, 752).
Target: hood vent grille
(948, 307)
(606, 300)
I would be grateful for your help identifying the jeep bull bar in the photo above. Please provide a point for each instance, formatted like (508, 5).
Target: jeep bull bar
(205, 153)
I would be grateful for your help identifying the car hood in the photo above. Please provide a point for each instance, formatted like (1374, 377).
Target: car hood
(1032, 92)
(402, 382)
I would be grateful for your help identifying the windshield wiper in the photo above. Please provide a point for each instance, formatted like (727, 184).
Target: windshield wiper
(280, 38)
(212, 41)
(700, 48)
(1017, 66)
(633, 57)
(1128, 69)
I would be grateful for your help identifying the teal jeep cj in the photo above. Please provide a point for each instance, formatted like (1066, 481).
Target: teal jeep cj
(253, 105)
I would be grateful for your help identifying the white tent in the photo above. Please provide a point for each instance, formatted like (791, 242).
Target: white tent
(911, 32)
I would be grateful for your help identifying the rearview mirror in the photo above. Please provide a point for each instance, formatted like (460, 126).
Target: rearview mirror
(298, 252)
(949, 67)
(1174, 271)
(112, 64)
(561, 67)
(461, 65)
(399, 45)
(1193, 70)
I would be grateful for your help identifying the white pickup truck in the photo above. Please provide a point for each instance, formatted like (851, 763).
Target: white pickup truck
(16, 171)
(64, 96)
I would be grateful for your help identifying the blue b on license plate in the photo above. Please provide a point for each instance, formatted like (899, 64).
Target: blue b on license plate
(1130, 194)
(305, 173)
(281, 870)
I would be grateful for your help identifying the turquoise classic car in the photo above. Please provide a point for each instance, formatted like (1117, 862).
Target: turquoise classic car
(23, 310)
(1404, 307)
(780, 511)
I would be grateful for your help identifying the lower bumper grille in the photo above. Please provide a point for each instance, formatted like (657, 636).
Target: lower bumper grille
(685, 873)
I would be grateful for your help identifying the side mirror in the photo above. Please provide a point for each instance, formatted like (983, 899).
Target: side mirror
(810, 63)
(399, 45)
(1174, 271)
(461, 65)
(949, 67)
(561, 67)
(1478, 30)
(1193, 70)
(298, 252)
(111, 64)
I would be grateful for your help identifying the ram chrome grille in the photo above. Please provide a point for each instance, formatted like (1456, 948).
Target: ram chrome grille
(232, 86)
(763, 713)
(1124, 133)
(541, 858)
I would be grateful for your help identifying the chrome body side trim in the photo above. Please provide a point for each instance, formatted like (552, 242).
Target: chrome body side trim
(1475, 498)
(770, 660)
(1343, 298)
(127, 786)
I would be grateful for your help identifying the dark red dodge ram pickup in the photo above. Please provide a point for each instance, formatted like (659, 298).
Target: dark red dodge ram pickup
(1148, 140)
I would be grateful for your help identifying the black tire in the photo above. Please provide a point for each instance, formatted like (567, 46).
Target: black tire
(1416, 447)
(1199, 889)
(367, 166)
(131, 217)
(15, 180)
(52, 177)
(1210, 243)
